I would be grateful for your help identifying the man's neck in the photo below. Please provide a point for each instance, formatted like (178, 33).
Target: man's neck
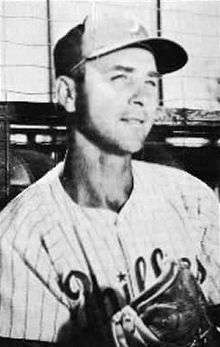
(95, 178)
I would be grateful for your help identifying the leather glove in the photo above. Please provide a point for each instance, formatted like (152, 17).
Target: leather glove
(171, 313)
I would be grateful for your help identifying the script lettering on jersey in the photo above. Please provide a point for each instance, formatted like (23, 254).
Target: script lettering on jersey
(74, 284)
(156, 260)
(101, 303)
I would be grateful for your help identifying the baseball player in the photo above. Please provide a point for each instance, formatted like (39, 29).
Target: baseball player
(104, 250)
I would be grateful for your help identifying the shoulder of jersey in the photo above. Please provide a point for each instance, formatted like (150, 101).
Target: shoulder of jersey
(167, 176)
(31, 199)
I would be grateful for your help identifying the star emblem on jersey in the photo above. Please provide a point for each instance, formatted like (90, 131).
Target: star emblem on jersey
(121, 276)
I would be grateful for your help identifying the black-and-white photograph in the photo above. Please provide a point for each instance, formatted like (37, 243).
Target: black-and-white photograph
(109, 173)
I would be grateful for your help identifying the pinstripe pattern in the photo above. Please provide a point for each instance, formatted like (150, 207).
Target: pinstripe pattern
(44, 236)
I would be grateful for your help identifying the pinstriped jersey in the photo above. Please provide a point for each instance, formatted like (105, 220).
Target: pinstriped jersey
(65, 267)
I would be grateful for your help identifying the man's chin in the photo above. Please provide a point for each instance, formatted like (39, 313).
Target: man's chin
(134, 141)
(133, 147)
(123, 149)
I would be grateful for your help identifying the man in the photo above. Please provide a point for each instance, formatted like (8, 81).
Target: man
(81, 244)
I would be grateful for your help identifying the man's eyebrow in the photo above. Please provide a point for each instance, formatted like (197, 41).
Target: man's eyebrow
(129, 69)
(122, 68)
(154, 74)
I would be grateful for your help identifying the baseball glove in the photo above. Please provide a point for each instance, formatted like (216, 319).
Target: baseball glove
(171, 313)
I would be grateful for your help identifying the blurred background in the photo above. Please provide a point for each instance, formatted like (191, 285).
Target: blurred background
(32, 126)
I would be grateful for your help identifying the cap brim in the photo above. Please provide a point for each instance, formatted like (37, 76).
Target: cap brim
(169, 55)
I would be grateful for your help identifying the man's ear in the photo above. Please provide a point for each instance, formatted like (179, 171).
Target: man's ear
(66, 92)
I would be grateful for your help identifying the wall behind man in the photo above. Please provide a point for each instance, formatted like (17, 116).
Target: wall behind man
(24, 53)
(30, 28)
(196, 25)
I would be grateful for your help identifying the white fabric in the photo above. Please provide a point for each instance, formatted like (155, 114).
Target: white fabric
(44, 236)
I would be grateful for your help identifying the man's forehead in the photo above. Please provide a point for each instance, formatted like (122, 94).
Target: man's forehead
(129, 58)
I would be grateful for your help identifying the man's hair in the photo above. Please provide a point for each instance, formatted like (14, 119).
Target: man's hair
(68, 53)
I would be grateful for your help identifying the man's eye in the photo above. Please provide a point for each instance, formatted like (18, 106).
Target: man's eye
(121, 76)
(151, 83)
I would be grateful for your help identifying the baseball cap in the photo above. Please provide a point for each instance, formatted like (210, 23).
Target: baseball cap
(101, 35)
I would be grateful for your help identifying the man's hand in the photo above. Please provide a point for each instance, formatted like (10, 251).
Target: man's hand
(173, 312)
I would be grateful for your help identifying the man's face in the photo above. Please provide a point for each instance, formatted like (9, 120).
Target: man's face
(121, 95)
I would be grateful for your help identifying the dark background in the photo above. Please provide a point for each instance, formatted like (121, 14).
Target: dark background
(33, 140)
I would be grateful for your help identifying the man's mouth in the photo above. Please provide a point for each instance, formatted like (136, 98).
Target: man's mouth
(133, 121)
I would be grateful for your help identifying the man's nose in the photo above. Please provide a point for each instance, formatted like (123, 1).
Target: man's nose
(137, 97)
(138, 101)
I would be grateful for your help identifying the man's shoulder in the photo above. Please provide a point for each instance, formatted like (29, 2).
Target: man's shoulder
(31, 206)
(167, 178)
(160, 171)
